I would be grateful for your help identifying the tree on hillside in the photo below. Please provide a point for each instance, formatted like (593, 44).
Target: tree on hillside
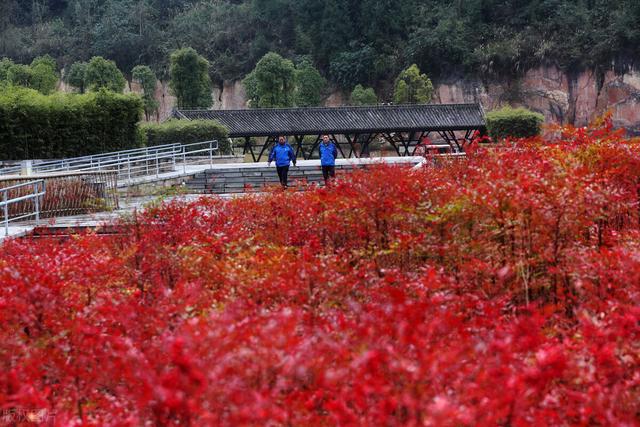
(190, 81)
(147, 79)
(363, 96)
(271, 83)
(411, 87)
(41, 75)
(45, 60)
(309, 85)
(76, 75)
(101, 73)
(5, 64)
(44, 75)
(19, 75)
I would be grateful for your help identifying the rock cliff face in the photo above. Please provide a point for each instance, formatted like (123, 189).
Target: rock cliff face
(561, 97)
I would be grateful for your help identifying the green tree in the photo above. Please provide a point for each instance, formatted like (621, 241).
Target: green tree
(101, 73)
(41, 75)
(45, 60)
(143, 75)
(190, 81)
(5, 64)
(44, 75)
(411, 87)
(271, 83)
(309, 85)
(363, 96)
(19, 75)
(76, 75)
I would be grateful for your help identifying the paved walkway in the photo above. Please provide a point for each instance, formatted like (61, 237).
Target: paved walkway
(190, 170)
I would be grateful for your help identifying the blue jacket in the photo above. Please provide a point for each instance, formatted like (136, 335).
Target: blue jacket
(282, 154)
(328, 154)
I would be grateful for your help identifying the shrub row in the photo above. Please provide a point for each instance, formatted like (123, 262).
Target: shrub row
(513, 122)
(185, 132)
(33, 125)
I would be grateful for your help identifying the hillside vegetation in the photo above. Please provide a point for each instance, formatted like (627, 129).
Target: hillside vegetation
(350, 41)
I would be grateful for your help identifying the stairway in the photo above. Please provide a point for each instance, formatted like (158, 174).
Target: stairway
(254, 179)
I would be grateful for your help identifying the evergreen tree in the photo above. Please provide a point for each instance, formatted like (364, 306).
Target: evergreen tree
(271, 83)
(143, 75)
(5, 64)
(412, 87)
(44, 75)
(363, 96)
(76, 76)
(19, 75)
(190, 81)
(101, 73)
(309, 85)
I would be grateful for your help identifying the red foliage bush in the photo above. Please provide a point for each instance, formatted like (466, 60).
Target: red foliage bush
(499, 290)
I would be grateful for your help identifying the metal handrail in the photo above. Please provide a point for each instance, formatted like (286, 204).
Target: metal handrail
(38, 191)
(110, 154)
(78, 163)
(11, 170)
(131, 164)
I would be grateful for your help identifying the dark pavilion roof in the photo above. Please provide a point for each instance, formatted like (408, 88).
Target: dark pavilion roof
(343, 120)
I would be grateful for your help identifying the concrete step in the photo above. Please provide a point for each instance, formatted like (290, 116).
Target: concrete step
(251, 179)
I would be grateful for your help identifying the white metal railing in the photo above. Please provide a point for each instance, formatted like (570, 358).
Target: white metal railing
(136, 163)
(37, 191)
(11, 170)
(98, 160)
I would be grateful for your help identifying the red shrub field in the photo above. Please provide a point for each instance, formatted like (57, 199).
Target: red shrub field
(501, 290)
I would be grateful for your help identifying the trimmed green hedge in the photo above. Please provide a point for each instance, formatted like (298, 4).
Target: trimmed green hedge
(36, 126)
(186, 132)
(514, 123)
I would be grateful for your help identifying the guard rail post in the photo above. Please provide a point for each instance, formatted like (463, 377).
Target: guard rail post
(6, 213)
(37, 201)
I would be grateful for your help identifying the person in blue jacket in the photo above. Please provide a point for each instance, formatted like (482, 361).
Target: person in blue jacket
(328, 155)
(283, 154)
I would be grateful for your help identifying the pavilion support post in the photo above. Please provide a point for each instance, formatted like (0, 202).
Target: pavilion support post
(455, 140)
(265, 147)
(447, 139)
(299, 147)
(406, 143)
(352, 143)
(418, 142)
(315, 144)
(391, 141)
(248, 147)
(337, 145)
(365, 144)
(247, 143)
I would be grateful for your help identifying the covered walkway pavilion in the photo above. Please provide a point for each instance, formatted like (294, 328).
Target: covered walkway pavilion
(404, 127)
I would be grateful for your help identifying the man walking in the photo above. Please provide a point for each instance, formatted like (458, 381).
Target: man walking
(328, 155)
(283, 154)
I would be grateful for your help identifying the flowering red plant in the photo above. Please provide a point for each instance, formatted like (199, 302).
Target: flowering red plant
(499, 290)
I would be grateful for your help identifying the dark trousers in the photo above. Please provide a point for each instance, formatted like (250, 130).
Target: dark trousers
(283, 174)
(328, 171)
